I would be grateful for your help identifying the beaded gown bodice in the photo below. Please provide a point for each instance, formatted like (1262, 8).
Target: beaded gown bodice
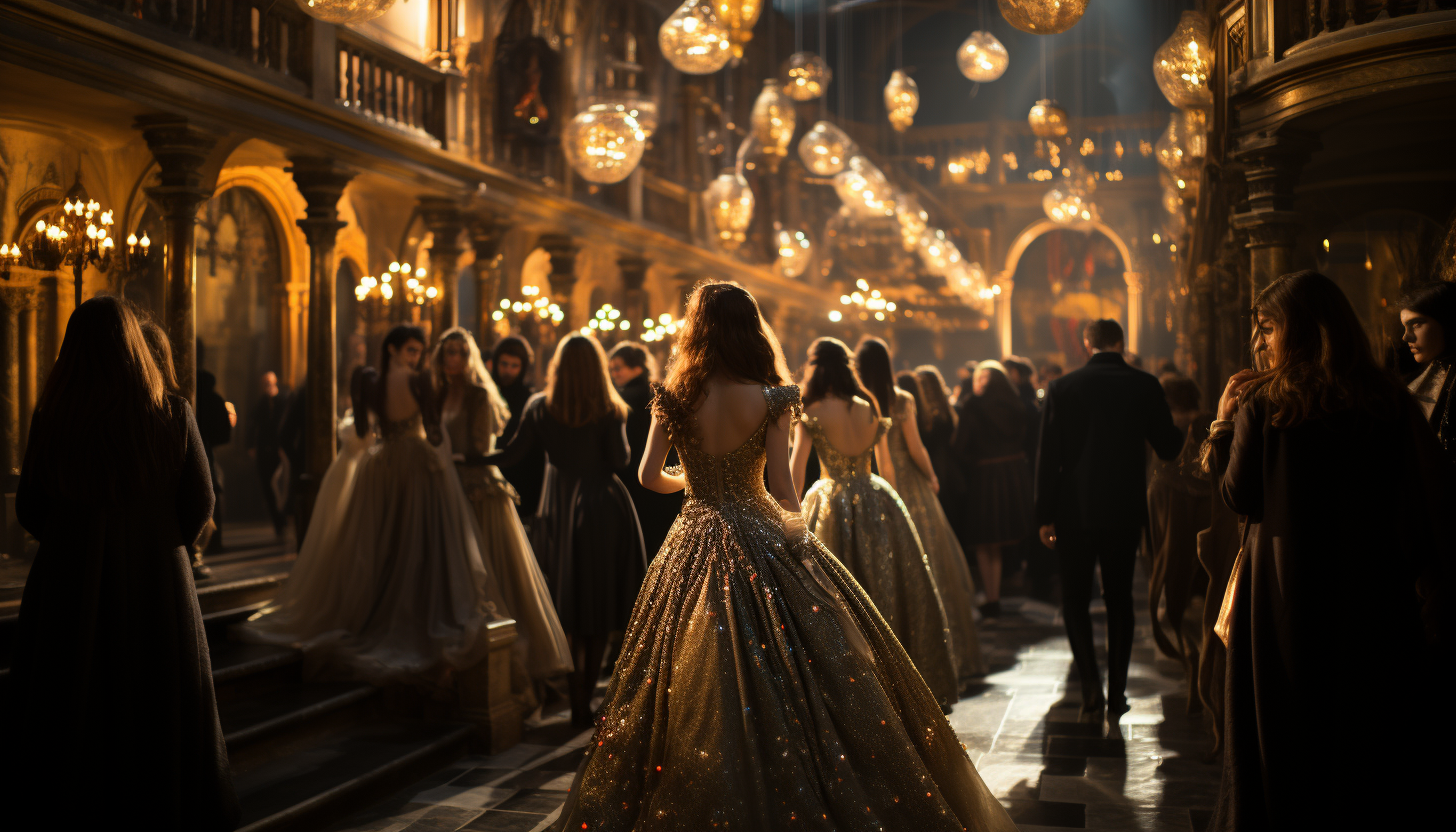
(396, 428)
(732, 479)
(839, 466)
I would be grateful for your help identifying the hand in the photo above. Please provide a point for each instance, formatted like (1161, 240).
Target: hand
(934, 484)
(1228, 404)
(1048, 535)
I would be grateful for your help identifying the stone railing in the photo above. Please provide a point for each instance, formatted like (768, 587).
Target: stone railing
(390, 88)
(272, 35)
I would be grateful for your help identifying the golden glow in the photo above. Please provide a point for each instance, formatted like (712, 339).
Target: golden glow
(982, 58)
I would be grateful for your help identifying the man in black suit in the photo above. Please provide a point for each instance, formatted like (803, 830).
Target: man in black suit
(264, 445)
(1091, 498)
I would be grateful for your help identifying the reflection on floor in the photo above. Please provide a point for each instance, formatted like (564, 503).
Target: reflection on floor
(1020, 726)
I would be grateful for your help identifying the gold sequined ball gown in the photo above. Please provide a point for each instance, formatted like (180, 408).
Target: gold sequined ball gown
(947, 560)
(758, 688)
(860, 518)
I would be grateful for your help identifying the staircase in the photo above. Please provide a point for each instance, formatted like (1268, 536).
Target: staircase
(304, 754)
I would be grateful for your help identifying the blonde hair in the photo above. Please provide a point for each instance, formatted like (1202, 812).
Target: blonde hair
(475, 372)
(579, 390)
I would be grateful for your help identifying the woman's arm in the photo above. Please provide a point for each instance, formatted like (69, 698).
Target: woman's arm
(1239, 454)
(799, 464)
(650, 473)
(522, 443)
(882, 459)
(918, 453)
(781, 483)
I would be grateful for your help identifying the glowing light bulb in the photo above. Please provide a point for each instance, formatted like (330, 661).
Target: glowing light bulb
(982, 58)
(806, 76)
(694, 40)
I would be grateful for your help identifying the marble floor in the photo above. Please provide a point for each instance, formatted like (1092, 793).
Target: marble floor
(1050, 772)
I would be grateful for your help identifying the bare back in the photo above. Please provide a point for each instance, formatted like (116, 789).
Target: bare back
(850, 426)
(399, 401)
(728, 413)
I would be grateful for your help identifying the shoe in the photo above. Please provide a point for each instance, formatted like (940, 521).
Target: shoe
(1116, 708)
(1092, 712)
(201, 573)
(991, 609)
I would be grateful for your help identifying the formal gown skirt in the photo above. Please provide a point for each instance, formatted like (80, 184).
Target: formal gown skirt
(1001, 500)
(759, 688)
(947, 563)
(590, 548)
(865, 524)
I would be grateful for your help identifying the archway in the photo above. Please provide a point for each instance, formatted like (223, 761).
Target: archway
(1057, 277)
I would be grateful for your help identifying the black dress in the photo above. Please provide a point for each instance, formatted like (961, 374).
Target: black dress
(111, 660)
(954, 495)
(585, 534)
(990, 442)
(1335, 528)
(527, 473)
(655, 511)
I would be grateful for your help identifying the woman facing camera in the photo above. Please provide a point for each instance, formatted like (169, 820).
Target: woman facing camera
(1428, 316)
(1321, 453)
(758, 688)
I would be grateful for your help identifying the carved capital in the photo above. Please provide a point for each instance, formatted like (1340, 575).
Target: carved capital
(445, 221)
(562, 250)
(634, 271)
(1272, 165)
(487, 232)
(181, 150)
(1268, 229)
(321, 181)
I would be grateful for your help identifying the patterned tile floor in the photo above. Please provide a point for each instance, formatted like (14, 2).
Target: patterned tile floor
(1050, 772)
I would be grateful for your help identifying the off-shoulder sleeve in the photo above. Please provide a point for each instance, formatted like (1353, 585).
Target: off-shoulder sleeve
(783, 400)
(673, 416)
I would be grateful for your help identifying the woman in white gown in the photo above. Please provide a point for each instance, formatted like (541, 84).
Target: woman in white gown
(390, 585)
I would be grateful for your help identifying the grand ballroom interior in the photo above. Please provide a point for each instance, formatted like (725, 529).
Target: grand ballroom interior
(278, 183)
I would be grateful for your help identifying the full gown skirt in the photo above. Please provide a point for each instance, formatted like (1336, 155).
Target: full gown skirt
(860, 518)
(389, 586)
(947, 560)
(759, 688)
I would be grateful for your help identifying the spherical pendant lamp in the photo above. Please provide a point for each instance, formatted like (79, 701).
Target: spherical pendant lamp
(1047, 119)
(806, 76)
(795, 252)
(773, 120)
(824, 149)
(864, 190)
(1184, 62)
(1042, 17)
(1172, 151)
(694, 40)
(982, 58)
(902, 100)
(913, 220)
(1195, 132)
(740, 16)
(1063, 204)
(345, 11)
(604, 145)
(729, 204)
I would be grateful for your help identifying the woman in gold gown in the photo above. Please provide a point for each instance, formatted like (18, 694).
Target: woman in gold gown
(861, 519)
(758, 688)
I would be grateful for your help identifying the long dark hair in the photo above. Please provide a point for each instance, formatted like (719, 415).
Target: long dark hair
(831, 372)
(579, 390)
(910, 383)
(1436, 301)
(934, 393)
(105, 402)
(724, 333)
(397, 337)
(160, 346)
(877, 371)
(1326, 363)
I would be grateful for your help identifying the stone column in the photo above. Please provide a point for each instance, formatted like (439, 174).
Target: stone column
(445, 221)
(1002, 307)
(562, 250)
(14, 300)
(321, 181)
(29, 354)
(181, 151)
(1135, 313)
(633, 269)
(486, 234)
(1272, 165)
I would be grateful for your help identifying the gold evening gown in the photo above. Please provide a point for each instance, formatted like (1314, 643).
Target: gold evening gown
(860, 518)
(947, 560)
(758, 688)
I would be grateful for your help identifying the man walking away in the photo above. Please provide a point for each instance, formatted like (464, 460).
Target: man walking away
(265, 421)
(1091, 498)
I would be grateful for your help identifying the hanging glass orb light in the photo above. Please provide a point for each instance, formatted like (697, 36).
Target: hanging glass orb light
(795, 252)
(1066, 204)
(773, 120)
(824, 149)
(913, 220)
(345, 11)
(1184, 62)
(982, 58)
(864, 190)
(637, 106)
(729, 204)
(1042, 17)
(1047, 119)
(694, 40)
(937, 252)
(1171, 151)
(604, 145)
(740, 16)
(806, 76)
(902, 99)
(1195, 133)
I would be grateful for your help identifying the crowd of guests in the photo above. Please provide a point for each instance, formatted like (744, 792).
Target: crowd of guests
(1304, 516)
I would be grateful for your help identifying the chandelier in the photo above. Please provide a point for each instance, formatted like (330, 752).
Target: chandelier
(795, 251)
(968, 281)
(633, 103)
(913, 220)
(1042, 17)
(982, 58)
(739, 16)
(661, 329)
(864, 190)
(694, 40)
(729, 204)
(80, 237)
(937, 252)
(345, 11)
(806, 76)
(824, 149)
(608, 319)
(1066, 204)
(773, 120)
(533, 306)
(1172, 151)
(871, 301)
(604, 145)
(1183, 63)
(902, 99)
(1047, 119)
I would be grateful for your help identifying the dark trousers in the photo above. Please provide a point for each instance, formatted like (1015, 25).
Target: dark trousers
(1078, 553)
(267, 463)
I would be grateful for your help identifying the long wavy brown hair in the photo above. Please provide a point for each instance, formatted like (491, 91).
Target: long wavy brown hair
(832, 372)
(1325, 360)
(724, 334)
(936, 394)
(578, 389)
(475, 372)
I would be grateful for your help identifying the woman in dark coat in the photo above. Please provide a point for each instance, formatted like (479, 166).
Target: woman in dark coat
(1323, 456)
(938, 430)
(111, 660)
(586, 533)
(632, 369)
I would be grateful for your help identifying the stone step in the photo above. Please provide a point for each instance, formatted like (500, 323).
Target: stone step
(250, 722)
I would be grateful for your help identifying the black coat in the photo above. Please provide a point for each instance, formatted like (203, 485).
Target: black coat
(265, 424)
(527, 473)
(111, 660)
(656, 511)
(1336, 530)
(1096, 422)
